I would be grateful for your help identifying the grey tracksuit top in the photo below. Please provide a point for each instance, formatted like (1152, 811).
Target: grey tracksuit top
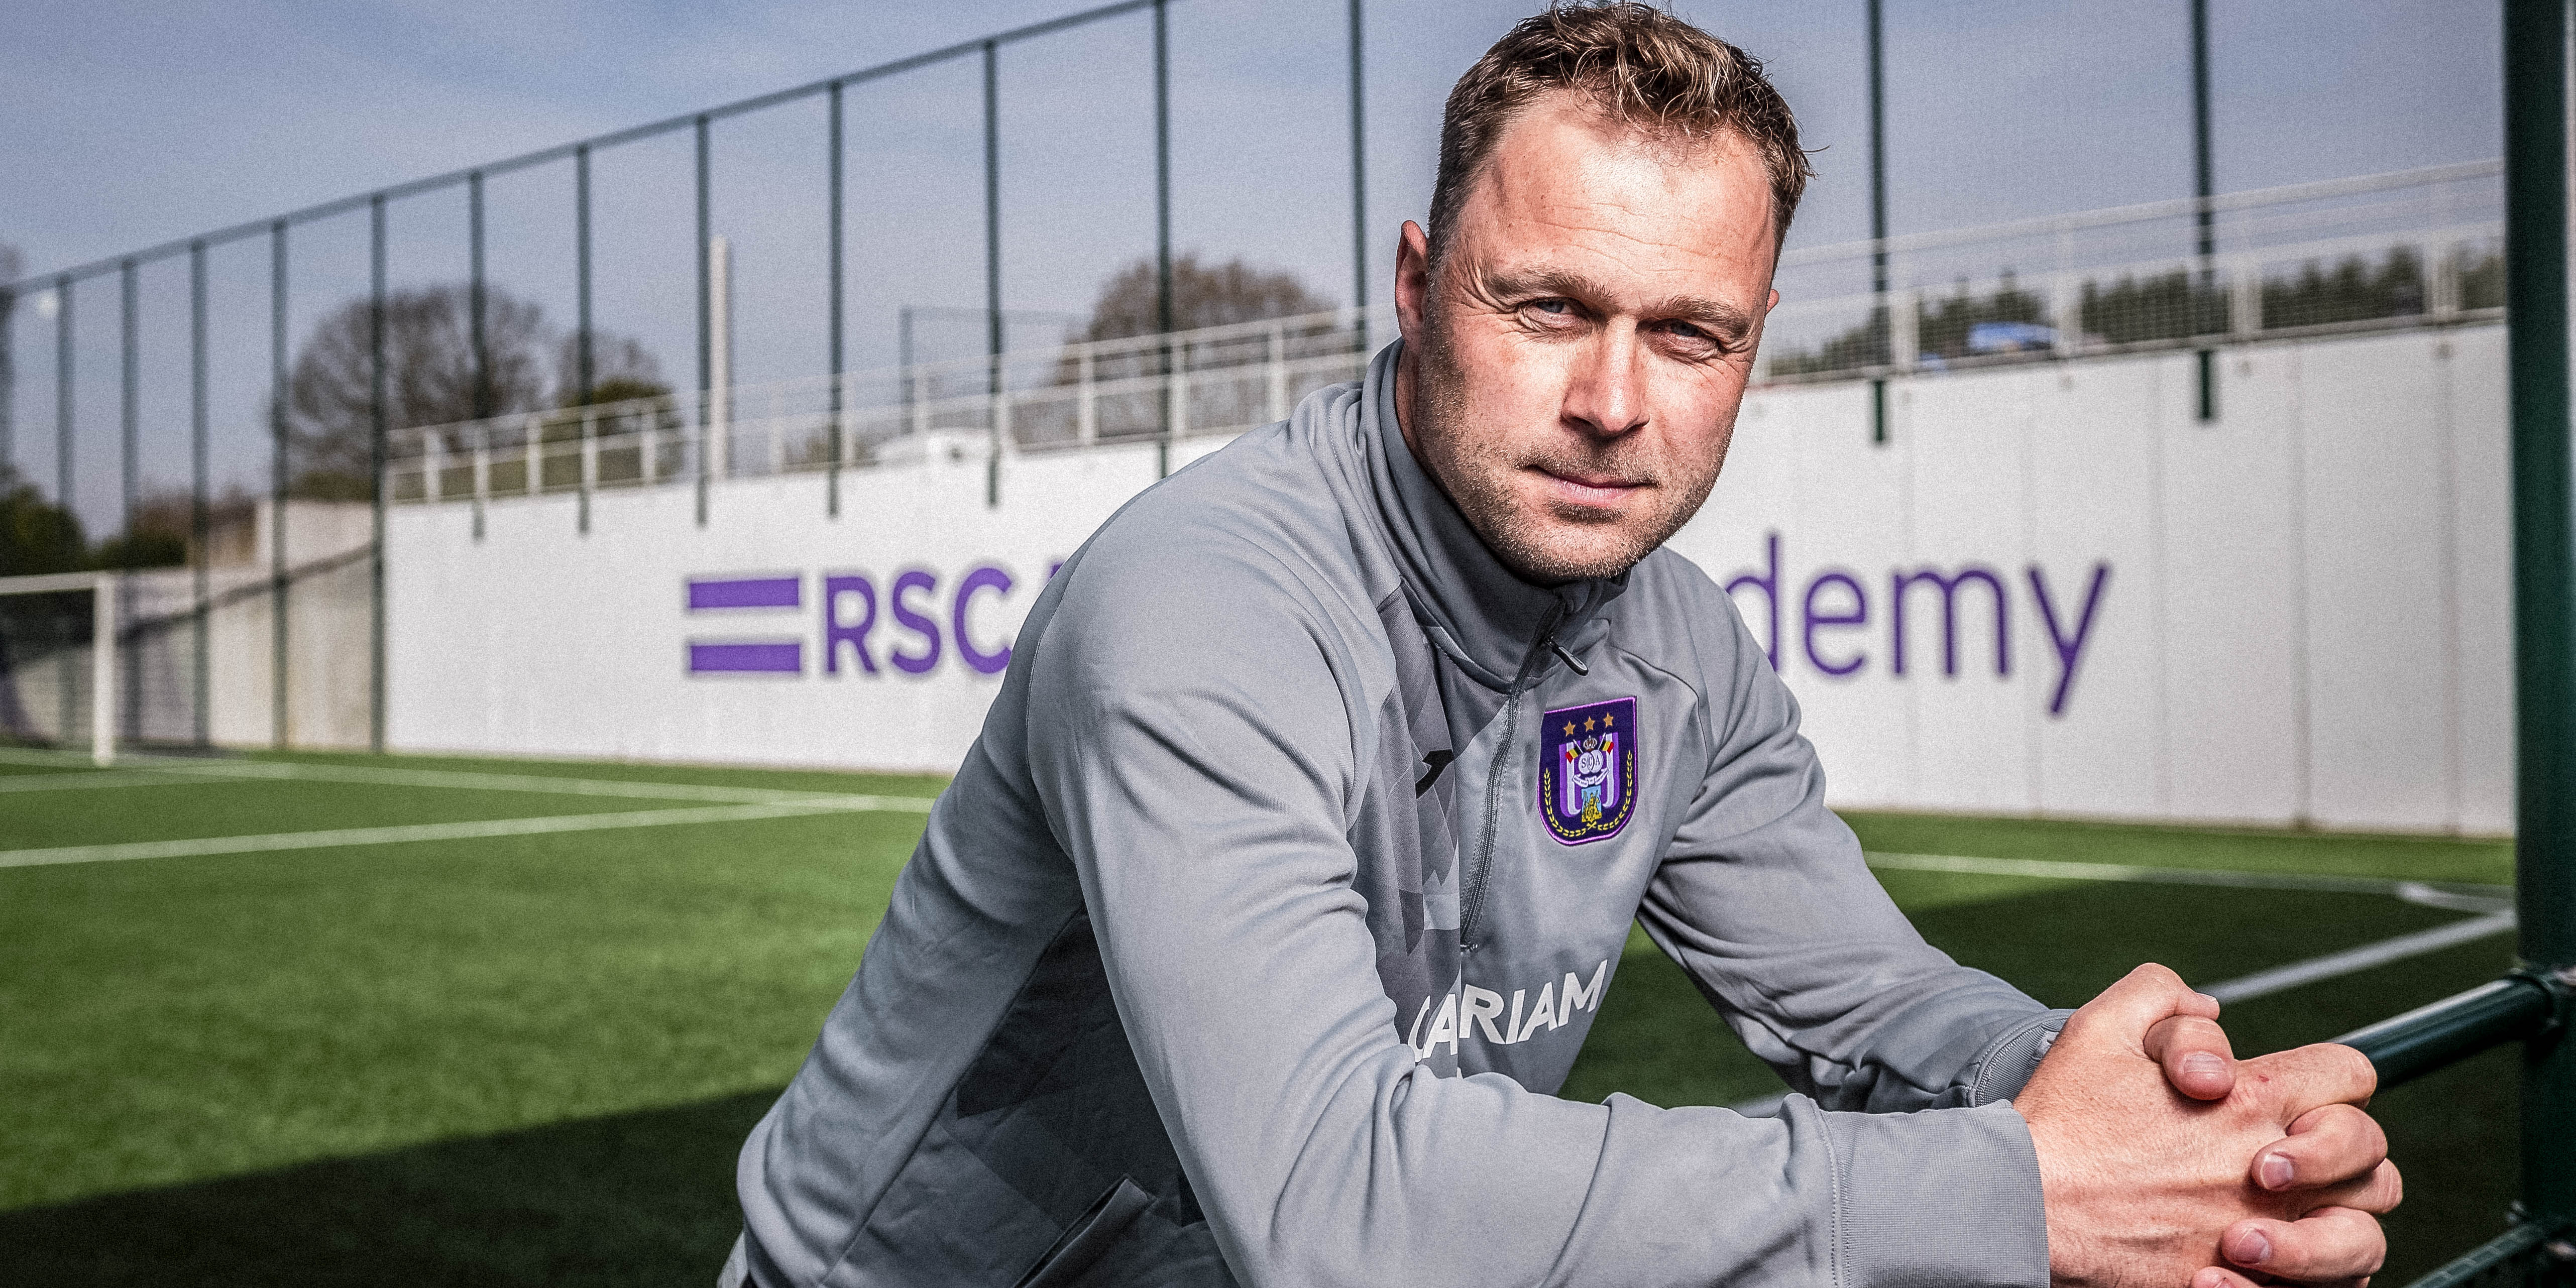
(1281, 887)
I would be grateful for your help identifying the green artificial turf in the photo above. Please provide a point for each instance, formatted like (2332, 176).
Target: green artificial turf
(530, 1060)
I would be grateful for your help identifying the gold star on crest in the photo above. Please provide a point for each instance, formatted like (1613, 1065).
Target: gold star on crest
(1569, 728)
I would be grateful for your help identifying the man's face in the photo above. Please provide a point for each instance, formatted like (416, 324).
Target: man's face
(1571, 373)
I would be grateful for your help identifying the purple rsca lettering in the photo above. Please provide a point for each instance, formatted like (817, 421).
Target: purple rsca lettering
(836, 632)
(1858, 615)
(2070, 653)
(759, 657)
(743, 592)
(905, 617)
(984, 577)
(1769, 585)
(1898, 582)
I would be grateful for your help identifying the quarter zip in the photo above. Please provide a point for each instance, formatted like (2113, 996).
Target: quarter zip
(1471, 916)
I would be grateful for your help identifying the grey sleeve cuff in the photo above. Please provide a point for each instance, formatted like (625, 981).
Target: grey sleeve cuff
(2005, 1066)
(1943, 1196)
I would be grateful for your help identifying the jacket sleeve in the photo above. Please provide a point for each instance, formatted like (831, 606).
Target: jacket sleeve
(1765, 899)
(1193, 734)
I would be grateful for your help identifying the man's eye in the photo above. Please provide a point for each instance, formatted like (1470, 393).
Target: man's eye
(1553, 308)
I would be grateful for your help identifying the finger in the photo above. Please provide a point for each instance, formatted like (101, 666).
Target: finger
(2220, 1277)
(2299, 1080)
(2197, 1058)
(2384, 1188)
(2125, 1011)
(2327, 1145)
(2329, 1243)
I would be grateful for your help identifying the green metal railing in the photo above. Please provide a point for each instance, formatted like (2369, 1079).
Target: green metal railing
(2533, 1003)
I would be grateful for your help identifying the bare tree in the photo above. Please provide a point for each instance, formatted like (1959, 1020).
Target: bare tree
(621, 369)
(1202, 295)
(430, 376)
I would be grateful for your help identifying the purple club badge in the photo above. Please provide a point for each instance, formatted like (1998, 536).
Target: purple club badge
(1587, 770)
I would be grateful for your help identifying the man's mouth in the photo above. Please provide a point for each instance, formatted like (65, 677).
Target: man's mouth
(1585, 488)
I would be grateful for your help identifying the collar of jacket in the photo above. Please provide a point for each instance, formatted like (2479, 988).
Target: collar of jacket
(1494, 625)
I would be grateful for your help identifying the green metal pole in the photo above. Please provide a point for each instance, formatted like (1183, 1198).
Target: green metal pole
(584, 375)
(64, 386)
(2202, 186)
(1359, 181)
(993, 268)
(376, 474)
(2544, 572)
(706, 338)
(1163, 227)
(476, 306)
(832, 286)
(130, 476)
(1878, 222)
(202, 727)
(277, 481)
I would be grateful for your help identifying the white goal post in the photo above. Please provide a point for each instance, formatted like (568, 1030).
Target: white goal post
(102, 667)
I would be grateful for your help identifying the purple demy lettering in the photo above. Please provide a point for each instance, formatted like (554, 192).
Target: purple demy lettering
(837, 632)
(905, 617)
(981, 577)
(1769, 584)
(1857, 615)
(1898, 582)
(2070, 652)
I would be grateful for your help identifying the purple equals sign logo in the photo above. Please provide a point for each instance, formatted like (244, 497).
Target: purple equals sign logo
(741, 655)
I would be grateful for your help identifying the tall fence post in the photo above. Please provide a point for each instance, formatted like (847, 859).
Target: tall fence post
(278, 473)
(706, 302)
(993, 267)
(201, 726)
(2544, 573)
(376, 480)
(832, 285)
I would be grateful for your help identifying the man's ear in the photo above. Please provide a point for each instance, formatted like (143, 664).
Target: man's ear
(1412, 278)
(1773, 304)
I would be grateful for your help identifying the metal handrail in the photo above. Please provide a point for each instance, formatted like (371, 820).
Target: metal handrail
(2520, 1006)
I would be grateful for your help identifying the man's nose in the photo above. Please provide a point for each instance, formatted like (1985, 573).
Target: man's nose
(1605, 394)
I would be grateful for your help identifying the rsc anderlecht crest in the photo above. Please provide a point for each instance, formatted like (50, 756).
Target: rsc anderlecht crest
(1587, 770)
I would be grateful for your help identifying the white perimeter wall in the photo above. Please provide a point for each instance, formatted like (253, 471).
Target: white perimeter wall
(2303, 611)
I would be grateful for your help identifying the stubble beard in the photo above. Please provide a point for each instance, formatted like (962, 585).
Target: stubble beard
(1478, 474)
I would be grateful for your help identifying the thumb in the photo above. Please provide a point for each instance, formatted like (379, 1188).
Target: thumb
(2143, 998)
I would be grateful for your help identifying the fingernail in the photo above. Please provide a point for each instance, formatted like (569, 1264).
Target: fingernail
(2251, 1249)
(2275, 1171)
(2203, 1062)
(2207, 998)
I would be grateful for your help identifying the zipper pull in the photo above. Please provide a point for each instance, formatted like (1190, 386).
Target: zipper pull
(1559, 650)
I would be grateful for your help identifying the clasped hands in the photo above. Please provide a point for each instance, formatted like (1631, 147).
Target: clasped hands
(2165, 1161)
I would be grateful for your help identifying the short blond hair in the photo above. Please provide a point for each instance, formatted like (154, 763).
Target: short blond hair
(1638, 64)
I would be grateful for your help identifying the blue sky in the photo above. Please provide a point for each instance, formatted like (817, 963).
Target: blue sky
(130, 124)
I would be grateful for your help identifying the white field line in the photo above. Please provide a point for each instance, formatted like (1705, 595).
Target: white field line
(2062, 870)
(471, 780)
(78, 781)
(199, 846)
(2279, 979)
(2283, 978)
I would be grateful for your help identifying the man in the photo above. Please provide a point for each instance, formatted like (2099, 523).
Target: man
(1300, 843)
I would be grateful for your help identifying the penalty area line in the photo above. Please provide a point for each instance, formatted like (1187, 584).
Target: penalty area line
(195, 847)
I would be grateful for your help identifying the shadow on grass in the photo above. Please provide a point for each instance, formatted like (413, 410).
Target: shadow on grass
(647, 1198)
(641, 1198)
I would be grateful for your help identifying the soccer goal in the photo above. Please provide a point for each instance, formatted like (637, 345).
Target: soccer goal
(58, 661)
